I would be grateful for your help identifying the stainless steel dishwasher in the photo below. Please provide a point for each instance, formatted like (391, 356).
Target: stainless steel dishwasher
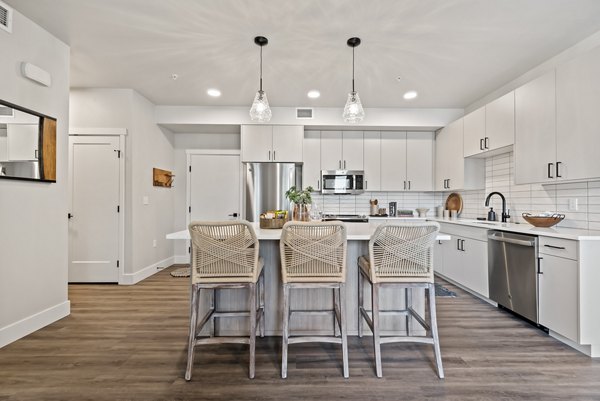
(513, 272)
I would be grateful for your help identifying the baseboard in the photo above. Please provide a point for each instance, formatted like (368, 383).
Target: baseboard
(32, 323)
(134, 278)
(182, 259)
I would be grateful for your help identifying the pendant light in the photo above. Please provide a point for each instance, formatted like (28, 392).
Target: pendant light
(353, 111)
(260, 110)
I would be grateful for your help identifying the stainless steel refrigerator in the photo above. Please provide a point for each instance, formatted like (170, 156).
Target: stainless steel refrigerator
(266, 184)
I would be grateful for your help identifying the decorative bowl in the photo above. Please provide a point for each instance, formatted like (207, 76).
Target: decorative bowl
(543, 221)
(422, 211)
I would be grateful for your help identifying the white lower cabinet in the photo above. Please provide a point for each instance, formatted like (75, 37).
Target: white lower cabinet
(559, 295)
(438, 255)
(465, 261)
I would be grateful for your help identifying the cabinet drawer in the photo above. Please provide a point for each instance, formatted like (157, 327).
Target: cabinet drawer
(476, 233)
(564, 248)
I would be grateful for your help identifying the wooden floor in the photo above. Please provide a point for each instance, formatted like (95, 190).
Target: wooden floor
(129, 343)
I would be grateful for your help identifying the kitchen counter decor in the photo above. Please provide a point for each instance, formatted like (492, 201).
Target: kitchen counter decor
(543, 220)
(301, 198)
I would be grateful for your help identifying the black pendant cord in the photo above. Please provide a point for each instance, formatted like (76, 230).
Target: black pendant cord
(261, 69)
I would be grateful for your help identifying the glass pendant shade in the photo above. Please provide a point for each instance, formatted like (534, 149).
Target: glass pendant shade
(260, 110)
(353, 111)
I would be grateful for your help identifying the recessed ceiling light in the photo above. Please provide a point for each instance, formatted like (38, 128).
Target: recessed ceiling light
(213, 92)
(410, 95)
(314, 94)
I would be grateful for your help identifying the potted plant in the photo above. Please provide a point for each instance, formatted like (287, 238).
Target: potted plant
(301, 198)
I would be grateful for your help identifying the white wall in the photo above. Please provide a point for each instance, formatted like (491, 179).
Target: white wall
(33, 223)
(147, 146)
(151, 147)
(220, 141)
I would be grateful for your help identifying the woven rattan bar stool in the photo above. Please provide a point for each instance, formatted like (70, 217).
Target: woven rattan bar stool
(313, 255)
(225, 255)
(400, 255)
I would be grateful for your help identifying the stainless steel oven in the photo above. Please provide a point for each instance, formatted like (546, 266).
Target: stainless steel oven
(342, 181)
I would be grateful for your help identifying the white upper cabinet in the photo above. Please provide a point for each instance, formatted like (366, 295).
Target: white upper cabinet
(352, 150)
(452, 170)
(393, 161)
(578, 117)
(500, 122)
(419, 161)
(272, 143)
(342, 150)
(311, 154)
(474, 132)
(372, 160)
(287, 143)
(22, 141)
(535, 134)
(490, 128)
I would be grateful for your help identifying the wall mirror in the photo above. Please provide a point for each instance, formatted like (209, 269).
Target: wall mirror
(27, 144)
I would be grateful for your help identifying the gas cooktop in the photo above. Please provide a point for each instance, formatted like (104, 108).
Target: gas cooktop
(348, 218)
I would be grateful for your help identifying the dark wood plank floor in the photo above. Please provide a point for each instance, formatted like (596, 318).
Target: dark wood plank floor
(129, 343)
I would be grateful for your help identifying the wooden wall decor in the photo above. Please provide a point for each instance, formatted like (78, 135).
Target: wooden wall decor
(48, 139)
(162, 178)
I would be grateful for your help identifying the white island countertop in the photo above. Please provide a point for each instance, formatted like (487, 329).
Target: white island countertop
(525, 228)
(355, 231)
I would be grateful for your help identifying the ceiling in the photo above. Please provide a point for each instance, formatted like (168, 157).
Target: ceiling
(452, 52)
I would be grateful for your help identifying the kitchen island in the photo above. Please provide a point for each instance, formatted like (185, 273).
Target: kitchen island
(358, 235)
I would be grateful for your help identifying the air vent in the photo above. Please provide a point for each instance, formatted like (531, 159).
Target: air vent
(5, 17)
(6, 112)
(304, 114)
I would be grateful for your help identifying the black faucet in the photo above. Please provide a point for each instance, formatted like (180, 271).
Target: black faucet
(505, 214)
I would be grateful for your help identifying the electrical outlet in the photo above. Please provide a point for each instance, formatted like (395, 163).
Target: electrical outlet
(573, 204)
(154, 243)
(145, 200)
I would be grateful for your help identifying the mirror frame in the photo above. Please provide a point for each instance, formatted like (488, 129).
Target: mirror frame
(46, 144)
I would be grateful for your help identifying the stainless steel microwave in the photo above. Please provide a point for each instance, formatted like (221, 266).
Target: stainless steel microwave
(342, 182)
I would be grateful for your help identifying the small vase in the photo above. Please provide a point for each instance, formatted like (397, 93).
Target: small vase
(300, 213)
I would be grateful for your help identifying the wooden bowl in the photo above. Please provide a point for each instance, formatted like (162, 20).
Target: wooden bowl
(543, 221)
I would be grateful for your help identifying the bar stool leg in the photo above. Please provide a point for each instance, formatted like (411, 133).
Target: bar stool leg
(261, 303)
(434, 330)
(252, 289)
(213, 307)
(408, 304)
(342, 305)
(376, 334)
(335, 305)
(285, 330)
(192, 337)
(361, 294)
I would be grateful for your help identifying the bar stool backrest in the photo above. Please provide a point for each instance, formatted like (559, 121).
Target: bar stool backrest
(223, 249)
(314, 249)
(403, 250)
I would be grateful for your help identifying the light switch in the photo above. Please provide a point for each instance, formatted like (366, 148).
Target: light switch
(146, 200)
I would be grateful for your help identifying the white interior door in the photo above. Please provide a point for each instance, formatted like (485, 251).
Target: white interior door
(215, 187)
(94, 180)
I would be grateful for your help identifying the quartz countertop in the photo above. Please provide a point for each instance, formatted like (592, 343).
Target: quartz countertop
(355, 231)
(525, 228)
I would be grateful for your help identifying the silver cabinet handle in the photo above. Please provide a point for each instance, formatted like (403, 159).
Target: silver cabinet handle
(274, 155)
(269, 155)
(344, 164)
